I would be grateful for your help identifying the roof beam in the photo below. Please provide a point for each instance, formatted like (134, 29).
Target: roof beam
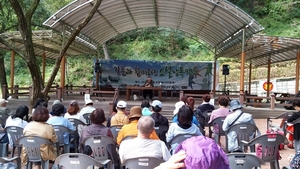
(181, 13)
(207, 18)
(130, 13)
(275, 52)
(155, 12)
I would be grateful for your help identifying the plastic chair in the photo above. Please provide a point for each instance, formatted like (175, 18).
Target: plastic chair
(244, 131)
(161, 131)
(76, 161)
(115, 130)
(206, 114)
(283, 116)
(5, 160)
(179, 138)
(122, 88)
(128, 137)
(219, 122)
(87, 117)
(75, 123)
(174, 90)
(3, 118)
(32, 146)
(136, 90)
(99, 145)
(15, 133)
(244, 161)
(142, 163)
(164, 90)
(270, 144)
(61, 132)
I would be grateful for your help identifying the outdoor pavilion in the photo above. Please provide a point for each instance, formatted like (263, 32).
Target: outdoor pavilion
(226, 29)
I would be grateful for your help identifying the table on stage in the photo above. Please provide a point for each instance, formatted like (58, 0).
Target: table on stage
(129, 88)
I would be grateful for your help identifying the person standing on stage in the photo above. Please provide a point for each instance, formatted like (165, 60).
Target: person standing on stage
(148, 83)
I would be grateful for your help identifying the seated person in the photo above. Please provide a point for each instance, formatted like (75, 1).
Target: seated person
(73, 111)
(184, 125)
(223, 111)
(206, 106)
(143, 145)
(178, 105)
(190, 153)
(58, 119)
(148, 83)
(120, 118)
(39, 127)
(237, 116)
(146, 108)
(17, 120)
(131, 128)
(158, 118)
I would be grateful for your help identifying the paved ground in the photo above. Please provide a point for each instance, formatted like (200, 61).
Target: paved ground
(260, 115)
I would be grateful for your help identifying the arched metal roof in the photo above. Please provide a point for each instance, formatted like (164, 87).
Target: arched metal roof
(216, 22)
(49, 42)
(259, 48)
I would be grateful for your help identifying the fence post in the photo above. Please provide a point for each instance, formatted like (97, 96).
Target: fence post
(116, 94)
(59, 93)
(30, 91)
(242, 97)
(4, 92)
(16, 92)
(272, 102)
(181, 93)
(71, 88)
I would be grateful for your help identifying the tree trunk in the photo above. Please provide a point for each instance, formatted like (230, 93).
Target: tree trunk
(3, 80)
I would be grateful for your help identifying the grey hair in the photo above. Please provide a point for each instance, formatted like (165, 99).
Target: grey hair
(146, 125)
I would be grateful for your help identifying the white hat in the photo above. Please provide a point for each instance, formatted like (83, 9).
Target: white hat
(178, 105)
(3, 101)
(121, 104)
(88, 101)
(156, 103)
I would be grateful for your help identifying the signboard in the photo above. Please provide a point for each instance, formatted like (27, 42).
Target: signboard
(185, 75)
(266, 84)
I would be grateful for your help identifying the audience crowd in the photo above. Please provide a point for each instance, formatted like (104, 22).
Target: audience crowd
(138, 136)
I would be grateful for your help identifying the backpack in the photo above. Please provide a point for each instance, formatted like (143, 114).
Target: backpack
(200, 118)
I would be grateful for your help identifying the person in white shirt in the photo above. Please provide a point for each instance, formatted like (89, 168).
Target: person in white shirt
(73, 111)
(142, 145)
(88, 108)
(17, 120)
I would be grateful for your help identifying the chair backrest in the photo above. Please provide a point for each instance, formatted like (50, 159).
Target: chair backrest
(87, 117)
(161, 131)
(283, 116)
(218, 122)
(142, 163)
(115, 130)
(60, 132)
(76, 122)
(243, 161)
(269, 145)
(128, 137)
(32, 146)
(99, 146)
(244, 131)
(175, 88)
(76, 161)
(3, 118)
(206, 114)
(180, 138)
(14, 132)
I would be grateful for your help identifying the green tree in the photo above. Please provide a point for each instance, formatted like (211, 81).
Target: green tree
(24, 13)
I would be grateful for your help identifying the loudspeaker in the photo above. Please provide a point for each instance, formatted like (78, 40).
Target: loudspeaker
(98, 68)
(225, 70)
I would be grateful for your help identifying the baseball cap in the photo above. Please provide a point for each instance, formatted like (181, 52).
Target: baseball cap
(178, 105)
(156, 103)
(121, 104)
(3, 101)
(88, 101)
(56, 102)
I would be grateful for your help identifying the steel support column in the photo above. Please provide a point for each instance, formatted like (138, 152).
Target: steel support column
(242, 72)
(297, 72)
(268, 76)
